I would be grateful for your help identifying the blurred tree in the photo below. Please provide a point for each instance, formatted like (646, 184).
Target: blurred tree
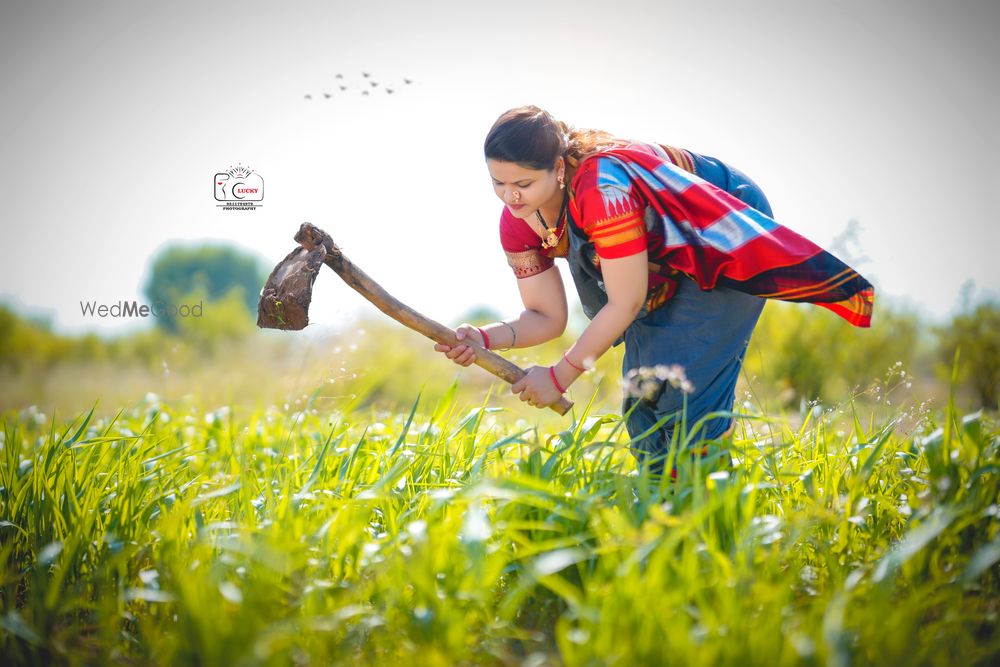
(813, 354)
(28, 342)
(223, 320)
(975, 331)
(210, 269)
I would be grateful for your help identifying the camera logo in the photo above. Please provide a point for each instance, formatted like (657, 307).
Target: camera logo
(239, 188)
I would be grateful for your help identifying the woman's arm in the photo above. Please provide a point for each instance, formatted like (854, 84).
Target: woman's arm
(626, 280)
(543, 319)
(545, 312)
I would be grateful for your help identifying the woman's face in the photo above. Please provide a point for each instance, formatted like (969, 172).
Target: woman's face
(524, 190)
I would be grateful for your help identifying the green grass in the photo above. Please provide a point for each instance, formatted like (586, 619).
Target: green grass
(448, 533)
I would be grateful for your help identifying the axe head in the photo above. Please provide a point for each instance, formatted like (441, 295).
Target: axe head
(284, 301)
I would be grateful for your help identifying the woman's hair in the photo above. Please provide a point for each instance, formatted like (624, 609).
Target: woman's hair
(532, 138)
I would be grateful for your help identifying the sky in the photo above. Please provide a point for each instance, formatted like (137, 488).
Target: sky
(879, 118)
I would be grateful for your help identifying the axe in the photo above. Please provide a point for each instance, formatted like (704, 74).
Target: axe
(284, 301)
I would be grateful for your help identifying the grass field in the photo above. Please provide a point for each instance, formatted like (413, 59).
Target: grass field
(457, 533)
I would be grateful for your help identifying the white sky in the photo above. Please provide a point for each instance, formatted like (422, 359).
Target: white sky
(115, 116)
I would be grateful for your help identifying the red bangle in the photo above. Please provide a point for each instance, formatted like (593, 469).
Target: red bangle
(572, 364)
(552, 374)
(486, 339)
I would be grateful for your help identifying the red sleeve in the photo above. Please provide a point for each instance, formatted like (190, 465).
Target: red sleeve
(609, 208)
(522, 246)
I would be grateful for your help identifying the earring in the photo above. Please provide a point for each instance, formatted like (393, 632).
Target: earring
(561, 184)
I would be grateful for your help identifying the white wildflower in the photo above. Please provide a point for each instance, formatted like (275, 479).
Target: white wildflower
(647, 382)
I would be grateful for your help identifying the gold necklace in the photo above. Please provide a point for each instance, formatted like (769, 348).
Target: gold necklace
(552, 239)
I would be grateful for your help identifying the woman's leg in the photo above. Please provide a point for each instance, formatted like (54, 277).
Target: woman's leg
(706, 333)
(655, 447)
(639, 418)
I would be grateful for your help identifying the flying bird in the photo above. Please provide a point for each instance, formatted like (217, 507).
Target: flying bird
(344, 85)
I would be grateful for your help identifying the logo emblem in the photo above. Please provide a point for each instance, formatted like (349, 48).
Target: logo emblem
(239, 188)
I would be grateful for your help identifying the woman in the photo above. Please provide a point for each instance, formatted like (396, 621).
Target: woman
(671, 252)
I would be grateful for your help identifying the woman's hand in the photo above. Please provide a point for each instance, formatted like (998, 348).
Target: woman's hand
(536, 387)
(463, 355)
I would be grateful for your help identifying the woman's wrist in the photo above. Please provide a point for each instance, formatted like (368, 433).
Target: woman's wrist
(577, 368)
(486, 337)
(513, 333)
(565, 373)
(502, 335)
(552, 374)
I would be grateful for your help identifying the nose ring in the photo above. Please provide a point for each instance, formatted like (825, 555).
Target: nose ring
(517, 195)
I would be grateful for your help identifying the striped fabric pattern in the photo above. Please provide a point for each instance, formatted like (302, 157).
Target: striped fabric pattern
(707, 233)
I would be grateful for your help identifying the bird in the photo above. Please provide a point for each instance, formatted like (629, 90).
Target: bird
(344, 85)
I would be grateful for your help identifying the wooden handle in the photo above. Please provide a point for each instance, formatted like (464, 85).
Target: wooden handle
(310, 236)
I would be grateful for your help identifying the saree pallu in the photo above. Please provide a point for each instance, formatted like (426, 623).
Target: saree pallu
(710, 235)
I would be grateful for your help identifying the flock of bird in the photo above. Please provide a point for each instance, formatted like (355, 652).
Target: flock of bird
(372, 86)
